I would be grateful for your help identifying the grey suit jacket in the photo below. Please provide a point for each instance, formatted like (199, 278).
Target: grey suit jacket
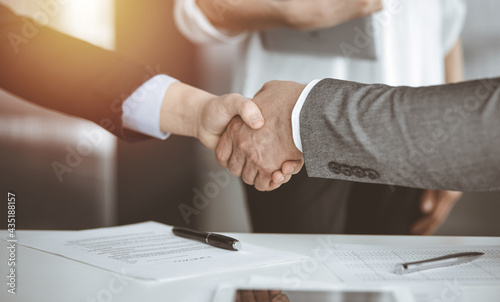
(438, 137)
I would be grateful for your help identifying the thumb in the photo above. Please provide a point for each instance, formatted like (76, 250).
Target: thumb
(246, 109)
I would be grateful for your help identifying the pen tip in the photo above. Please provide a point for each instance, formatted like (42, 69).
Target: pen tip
(237, 245)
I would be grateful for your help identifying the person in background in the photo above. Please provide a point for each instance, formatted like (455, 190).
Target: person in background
(418, 44)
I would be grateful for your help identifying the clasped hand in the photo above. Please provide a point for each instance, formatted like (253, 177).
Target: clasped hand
(252, 138)
(266, 157)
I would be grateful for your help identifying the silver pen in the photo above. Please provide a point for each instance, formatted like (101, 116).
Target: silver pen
(452, 259)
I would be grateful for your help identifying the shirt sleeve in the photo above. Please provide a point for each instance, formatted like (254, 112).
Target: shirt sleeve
(454, 13)
(296, 114)
(195, 26)
(141, 110)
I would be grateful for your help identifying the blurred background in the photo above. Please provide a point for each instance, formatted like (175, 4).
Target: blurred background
(120, 182)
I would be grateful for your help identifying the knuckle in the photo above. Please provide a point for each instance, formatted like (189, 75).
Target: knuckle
(253, 157)
(221, 156)
(234, 97)
(269, 84)
(234, 169)
(242, 144)
(268, 168)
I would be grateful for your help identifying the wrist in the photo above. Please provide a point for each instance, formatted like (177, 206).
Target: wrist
(181, 109)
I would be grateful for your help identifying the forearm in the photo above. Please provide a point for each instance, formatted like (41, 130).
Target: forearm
(430, 137)
(242, 15)
(181, 109)
(453, 64)
(248, 15)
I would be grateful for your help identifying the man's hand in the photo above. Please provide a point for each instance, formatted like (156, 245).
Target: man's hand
(216, 114)
(435, 205)
(256, 154)
(246, 15)
(193, 112)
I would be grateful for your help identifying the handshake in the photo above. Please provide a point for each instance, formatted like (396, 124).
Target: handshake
(349, 131)
(265, 157)
(252, 139)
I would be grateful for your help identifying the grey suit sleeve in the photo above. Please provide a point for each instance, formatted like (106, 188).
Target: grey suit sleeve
(438, 137)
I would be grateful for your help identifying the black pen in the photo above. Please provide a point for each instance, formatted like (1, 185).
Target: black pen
(217, 240)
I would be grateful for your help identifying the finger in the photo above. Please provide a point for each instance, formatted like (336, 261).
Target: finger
(428, 201)
(236, 163)
(262, 296)
(278, 177)
(273, 186)
(283, 178)
(249, 173)
(427, 205)
(292, 166)
(224, 150)
(274, 292)
(247, 296)
(281, 298)
(422, 226)
(287, 179)
(235, 104)
(263, 182)
(443, 204)
(453, 195)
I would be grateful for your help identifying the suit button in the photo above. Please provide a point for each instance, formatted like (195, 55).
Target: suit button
(372, 174)
(334, 167)
(358, 172)
(346, 170)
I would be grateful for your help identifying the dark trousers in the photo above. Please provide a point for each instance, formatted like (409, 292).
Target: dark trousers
(325, 206)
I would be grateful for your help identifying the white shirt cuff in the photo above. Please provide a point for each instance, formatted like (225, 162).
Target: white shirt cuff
(195, 26)
(296, 114)
(141, 110)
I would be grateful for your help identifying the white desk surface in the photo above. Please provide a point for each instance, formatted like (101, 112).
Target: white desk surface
(45, 277)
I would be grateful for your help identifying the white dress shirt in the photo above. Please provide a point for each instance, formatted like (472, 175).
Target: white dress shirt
(412, 44)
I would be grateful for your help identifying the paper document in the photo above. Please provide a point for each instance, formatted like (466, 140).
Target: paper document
(369, 264)
(362, 263)
(150, 250)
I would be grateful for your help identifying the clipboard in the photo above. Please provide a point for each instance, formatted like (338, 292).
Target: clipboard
(351, 39)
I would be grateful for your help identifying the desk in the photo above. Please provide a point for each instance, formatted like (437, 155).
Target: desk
(45, 277)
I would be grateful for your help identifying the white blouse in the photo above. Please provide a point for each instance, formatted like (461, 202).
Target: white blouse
(413, 38)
